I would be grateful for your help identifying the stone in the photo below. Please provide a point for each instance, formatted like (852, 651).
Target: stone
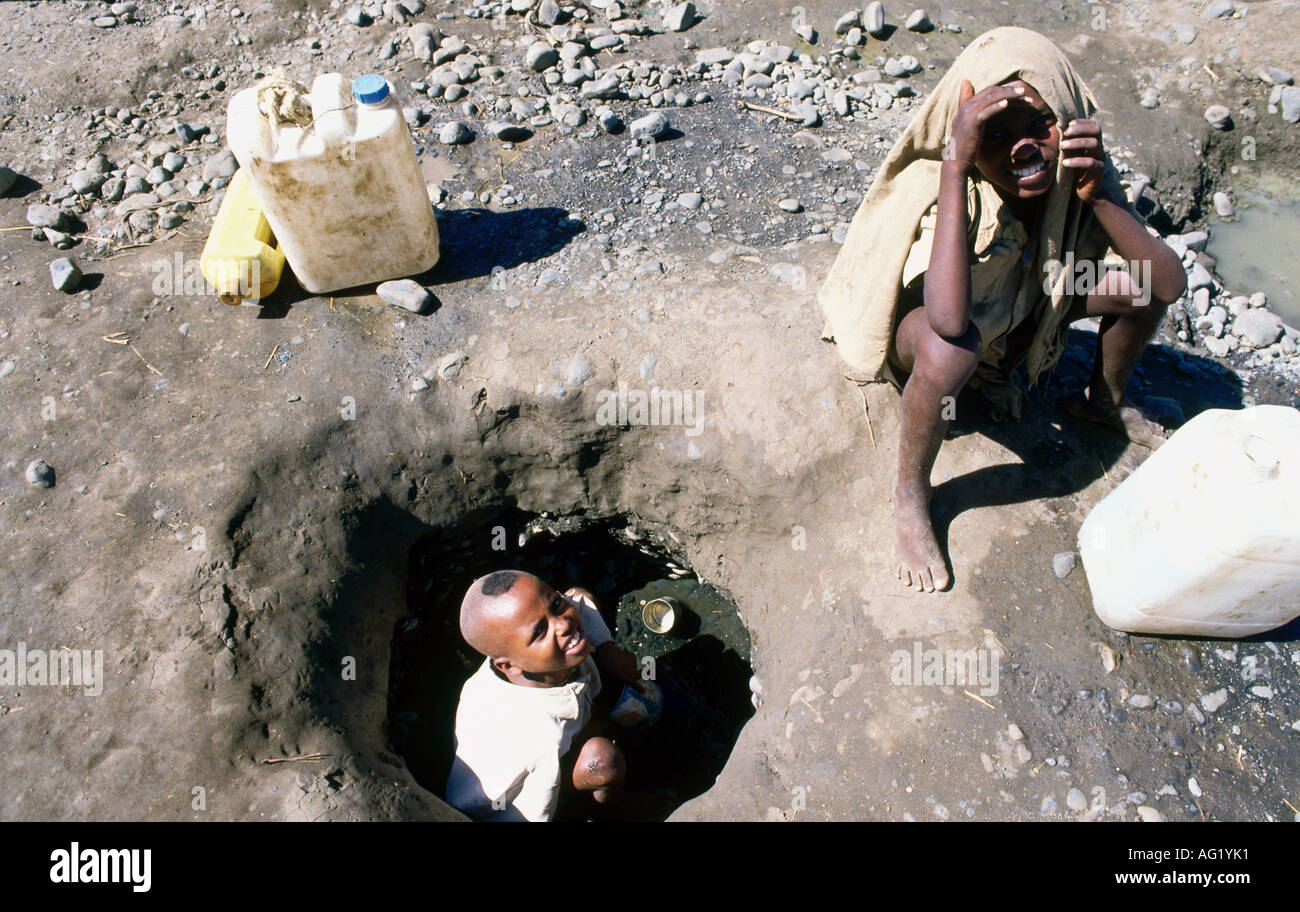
(653, 126)
(86, 183)
(1278, 76)
(608, 120)
(1219, 117)
(541, 56)
(65, 275)
(790, 204)
(605, 87)
(1110, 659)
(849, 20)
(509, 132)
(1213, 701)
(714, 56)
(549, 13)
(42, 216)
(224, 164)
(1258, 327)
(1258, 299)
(407, 294)
(423, 37)
(40, 473)
(579, 371)
(1196, 240)
(1183, 33)
(1149, 814)
(1014, 732)
(1141, 701)
(1076, 801)
(1199, 277)
(873, 19)
(357, 16)
(680, 17)
(919, 22)
(811, 116)
(690, 201)
(104, 22)
(1223, 204)
(449, 365)
(8, 176)
(1219, 9)
(1290, 101)
(188, 133)
(1063, 563)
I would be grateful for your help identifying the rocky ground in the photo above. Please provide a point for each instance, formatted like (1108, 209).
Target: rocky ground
(636, 193)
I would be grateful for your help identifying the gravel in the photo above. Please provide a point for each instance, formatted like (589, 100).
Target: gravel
(40, 473)
(65, 275)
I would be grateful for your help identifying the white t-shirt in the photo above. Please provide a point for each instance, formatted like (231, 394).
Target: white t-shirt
(510, 738)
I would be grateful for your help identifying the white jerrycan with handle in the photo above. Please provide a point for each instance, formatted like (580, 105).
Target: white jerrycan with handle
(343, 194)
(1203, 539)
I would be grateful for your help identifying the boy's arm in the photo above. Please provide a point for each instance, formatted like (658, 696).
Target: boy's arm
(947, 280)
(1081, 148)
(612, 661)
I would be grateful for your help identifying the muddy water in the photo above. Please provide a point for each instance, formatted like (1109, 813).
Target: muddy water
(1257, 249)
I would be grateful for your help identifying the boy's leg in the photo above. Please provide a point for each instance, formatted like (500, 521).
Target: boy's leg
(939, 368)
(1127, 325)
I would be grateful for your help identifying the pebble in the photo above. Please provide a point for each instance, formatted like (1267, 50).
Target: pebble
(1219, 117)
(1185, 33)
(104, 22)
(549, 13)
(455, 133)
(1199, 277)
(42, 216)
(224, 164)
(1075, 800)
(690, 201)
(65, 274)
(849, 20)
(919, 21)
(1212, 701)
(541, 56)
(40, 473)
(1194, 787)
(449, 365)
(653, 125)
(7, 178)
(357, 16)
(508, 132)
(1141, 701)
(608, 120)
(407, 294)
(1223, 204)
(790, 204)
(873, 18)
(1063, 563)
(579, 371)
(1048, 806)
(1149, 814)
(1014, 732)
(680, 17)
(605, 87)
(1258, 327)
(1109, 658)
(1219, 9)
(1290, 102)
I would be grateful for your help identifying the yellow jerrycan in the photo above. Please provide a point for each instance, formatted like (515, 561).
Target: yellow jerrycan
(241, 259)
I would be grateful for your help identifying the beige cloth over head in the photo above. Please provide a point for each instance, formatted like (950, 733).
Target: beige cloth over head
(861, 295)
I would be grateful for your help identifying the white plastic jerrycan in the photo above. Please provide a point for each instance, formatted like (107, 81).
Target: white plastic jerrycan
(341, 188)
(1204, 538)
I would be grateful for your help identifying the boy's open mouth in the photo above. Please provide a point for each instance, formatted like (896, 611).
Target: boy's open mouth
(1032, 174)
(576, 643)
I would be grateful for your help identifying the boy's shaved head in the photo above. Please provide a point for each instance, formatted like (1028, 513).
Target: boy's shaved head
(478, 621)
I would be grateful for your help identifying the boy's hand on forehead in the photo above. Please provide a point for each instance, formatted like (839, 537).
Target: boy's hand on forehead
(974, 109)
(1082, 150)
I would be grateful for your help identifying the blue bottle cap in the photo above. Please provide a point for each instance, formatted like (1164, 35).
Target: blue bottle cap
(370, 88)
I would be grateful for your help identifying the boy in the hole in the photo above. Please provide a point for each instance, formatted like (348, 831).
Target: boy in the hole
(524, 725)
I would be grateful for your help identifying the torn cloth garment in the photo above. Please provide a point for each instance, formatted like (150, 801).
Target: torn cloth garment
(864, 297)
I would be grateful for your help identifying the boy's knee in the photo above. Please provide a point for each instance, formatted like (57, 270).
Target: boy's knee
(600, 764)
(947, 364)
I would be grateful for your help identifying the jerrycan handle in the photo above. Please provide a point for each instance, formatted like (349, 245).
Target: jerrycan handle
(332, 110)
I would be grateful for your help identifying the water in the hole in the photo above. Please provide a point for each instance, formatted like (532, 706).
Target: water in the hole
(703, 665)
(1255, 251)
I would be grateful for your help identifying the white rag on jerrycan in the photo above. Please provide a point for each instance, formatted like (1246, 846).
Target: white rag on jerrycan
(336, 175)
(1203, 539)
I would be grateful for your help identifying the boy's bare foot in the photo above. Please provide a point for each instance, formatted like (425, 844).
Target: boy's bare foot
(1127, 418)
(919, 563)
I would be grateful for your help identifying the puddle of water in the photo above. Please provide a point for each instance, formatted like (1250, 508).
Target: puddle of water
(1256, 250)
